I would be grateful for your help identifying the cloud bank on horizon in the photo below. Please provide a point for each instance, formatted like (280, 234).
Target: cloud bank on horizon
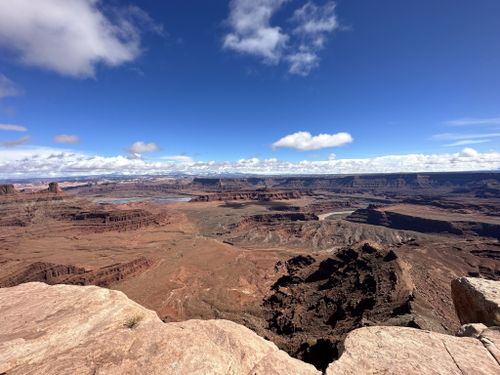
(74, 38)
(24, 162)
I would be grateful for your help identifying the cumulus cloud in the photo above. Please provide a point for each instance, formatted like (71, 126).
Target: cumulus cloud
(305, 141)
(49, 162)
(16, 142)
(142, 148)
(8, 88)
(72, 37)
(12, 127)
(251, 30)
(65, 138)
(297, 42)
(469, 153)
(474, 121)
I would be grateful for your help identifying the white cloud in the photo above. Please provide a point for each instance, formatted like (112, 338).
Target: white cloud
(298, 42)
(65, 138)
(8, 88)
(459, 136)
(252, 32)
(474, 121)
(16, 142)
(71, 37)
(460, 139)
(51, 162)
(467, 142)
(304, 141)
(314, 23)
(12, 127)
(142, 148)
(178, 158)
(469, 153)
(301, 63)
(314, 20)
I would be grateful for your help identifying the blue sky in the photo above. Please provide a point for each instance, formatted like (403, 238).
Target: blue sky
(204, 84)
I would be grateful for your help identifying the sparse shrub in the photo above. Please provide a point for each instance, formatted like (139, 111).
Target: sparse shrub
(133, 321)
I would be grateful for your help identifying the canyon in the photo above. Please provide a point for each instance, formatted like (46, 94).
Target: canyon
(301, 261)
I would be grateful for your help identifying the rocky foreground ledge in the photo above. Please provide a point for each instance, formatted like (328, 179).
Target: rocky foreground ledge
(67, 329)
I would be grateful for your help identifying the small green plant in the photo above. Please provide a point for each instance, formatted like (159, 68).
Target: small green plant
(133, 321)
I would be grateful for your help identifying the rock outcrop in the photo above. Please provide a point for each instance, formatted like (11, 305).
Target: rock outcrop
(51, 273)
(67, 329)
(391, 219)
(105, 220)
(317, 302)
(394, 182)
(7, 189)
(54, 188)
(254, 195)
(476, 300)
(398, 350)
(26, 209)
(89, 330)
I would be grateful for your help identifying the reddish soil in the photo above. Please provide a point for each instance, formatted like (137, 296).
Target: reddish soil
(265, 252)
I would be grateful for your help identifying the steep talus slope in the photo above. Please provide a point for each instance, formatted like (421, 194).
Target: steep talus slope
(318, 300)
(373, 215)
(304, 230)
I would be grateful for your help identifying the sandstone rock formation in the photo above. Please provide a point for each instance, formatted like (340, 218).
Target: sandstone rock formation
(398, 350)
(7, 190)
(54, 188)
(67, 329)
(26, 209)
(391, 219)
(104, 220)
(254, 195)
(472, 330)
(394, 183)
(317, 302)
(88, 330)
(51, 273)
(477, 300)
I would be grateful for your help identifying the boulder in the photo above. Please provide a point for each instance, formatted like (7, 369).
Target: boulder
(472, 330)
(491, 341)
(400, 350)
(477, 300)
(66, 329)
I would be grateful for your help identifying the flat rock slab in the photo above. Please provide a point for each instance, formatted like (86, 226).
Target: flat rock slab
(477, 300)
(65, 329)
(398, 350)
